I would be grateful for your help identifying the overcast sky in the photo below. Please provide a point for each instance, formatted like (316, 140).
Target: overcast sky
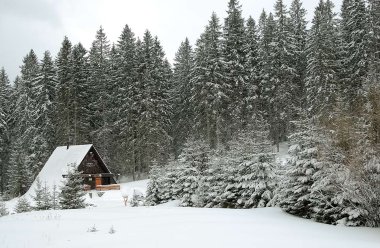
(42, 24)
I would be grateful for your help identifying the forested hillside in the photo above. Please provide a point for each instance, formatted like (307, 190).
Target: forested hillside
(204, 127)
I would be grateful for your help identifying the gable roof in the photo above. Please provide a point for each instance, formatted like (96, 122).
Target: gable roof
(57, 165)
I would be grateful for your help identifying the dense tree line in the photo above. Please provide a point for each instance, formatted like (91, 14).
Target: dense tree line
(205, 126)
(316, 88)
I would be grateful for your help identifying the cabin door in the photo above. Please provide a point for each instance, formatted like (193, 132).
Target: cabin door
(98, 181)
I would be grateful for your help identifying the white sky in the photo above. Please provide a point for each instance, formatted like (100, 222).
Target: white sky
(42, 24)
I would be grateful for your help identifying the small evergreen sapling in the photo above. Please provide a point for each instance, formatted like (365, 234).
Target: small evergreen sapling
(22, 205)
(72, 194)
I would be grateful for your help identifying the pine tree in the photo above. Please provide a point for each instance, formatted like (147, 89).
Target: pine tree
(267, 46)
(234, 71)
(44, 86)
(38, 195)
(152, 190)
(99, 80)
(302, 166)
(282, 105)
(72, 194)
(5, 91)
(54, 201)
(354, 28)
(22, 205)
(80, 95)
(322, 61)
(22, 157)
(298, 35)
(252, 68)
(209, 93)
(124, 93)
(63, 114)
(182, 113)
(374, 41)
(193, 162)
(151, 106)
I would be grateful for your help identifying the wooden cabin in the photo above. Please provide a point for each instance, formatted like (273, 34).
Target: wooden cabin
(95, 172)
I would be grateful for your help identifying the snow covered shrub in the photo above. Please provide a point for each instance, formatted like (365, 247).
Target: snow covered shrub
(137, 198)
(92, 229)
(72, 194)
(22, 205)
(3, 209)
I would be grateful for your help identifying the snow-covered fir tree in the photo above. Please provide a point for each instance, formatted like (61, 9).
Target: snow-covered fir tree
(63, 103)
(298, 35)
(124, 93)
(322, 61)
(72, 194)
(234, 70)
(44, 85)
(210, 92)
(182, 112)
(22, 205)
(301, 167)
(99, 80)
(42, 197)
(80, 96)
(354, 31)
(152, 189)
(252, 68)
(5, 92)
(22, 156)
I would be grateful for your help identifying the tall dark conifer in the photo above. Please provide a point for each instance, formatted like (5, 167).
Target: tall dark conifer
(210, 92)
(234, 71)
(183, 115)
(5, 90)
(354, 30)
(63, 114)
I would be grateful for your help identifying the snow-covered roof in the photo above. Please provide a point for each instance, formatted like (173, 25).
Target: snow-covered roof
(58, 165)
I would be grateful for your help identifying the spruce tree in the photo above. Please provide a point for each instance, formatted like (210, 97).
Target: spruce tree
(295, 188)
(355, 55)
(252, 68)
(124, 94)
(182, 113)
(72, 194)
(22, 205)
(5, 112)
(210, 92)
(99, 80)
(297, 36)
(63, 114)
(80, 95)
(44, 86)
(234, 71)
(322, 61)
(283, 83)
(22, 157)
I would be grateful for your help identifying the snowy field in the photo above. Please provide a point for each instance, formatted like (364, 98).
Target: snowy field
(170, 226)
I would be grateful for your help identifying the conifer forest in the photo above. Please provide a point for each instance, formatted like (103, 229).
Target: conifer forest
(207, 128)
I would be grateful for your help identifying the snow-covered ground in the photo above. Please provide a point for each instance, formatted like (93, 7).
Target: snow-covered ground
(169, 226)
